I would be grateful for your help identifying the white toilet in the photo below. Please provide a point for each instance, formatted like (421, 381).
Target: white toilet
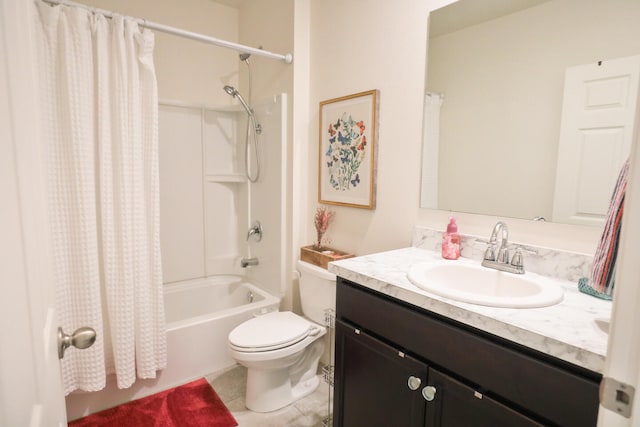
(281, 350)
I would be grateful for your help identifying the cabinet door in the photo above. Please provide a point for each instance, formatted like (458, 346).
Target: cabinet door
(456, 404)
(375, 384)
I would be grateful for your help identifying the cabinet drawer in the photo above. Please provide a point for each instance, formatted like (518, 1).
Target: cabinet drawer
(528, 380)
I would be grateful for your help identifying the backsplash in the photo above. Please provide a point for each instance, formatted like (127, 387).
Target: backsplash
(544, 261)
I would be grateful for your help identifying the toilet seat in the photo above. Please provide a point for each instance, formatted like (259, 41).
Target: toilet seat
(271, 331)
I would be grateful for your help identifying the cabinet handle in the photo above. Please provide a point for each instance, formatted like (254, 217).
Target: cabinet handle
(429, 393)
(414, 382)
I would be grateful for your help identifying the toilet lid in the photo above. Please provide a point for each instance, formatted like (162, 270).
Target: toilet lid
(270, 332)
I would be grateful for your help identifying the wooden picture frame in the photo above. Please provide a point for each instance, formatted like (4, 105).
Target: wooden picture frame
(347, 150)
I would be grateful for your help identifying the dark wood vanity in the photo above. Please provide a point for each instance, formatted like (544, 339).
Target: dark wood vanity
(397, 364)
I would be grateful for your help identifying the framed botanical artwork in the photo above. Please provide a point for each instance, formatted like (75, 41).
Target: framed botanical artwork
(347, 155)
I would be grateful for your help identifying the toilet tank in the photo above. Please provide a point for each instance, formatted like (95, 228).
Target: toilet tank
(317, 291)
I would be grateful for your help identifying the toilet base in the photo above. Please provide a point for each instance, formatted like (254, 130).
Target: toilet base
(270, 388)
(270, 395)
(278, 377)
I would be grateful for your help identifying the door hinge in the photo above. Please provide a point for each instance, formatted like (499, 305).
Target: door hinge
(617, 396)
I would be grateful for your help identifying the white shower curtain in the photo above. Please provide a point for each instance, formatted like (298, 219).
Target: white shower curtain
(99, 110)
(430, 150)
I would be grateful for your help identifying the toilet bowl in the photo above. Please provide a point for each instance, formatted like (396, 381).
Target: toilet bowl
(281, 350)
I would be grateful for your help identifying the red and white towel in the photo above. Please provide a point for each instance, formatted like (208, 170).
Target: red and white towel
(602, 272)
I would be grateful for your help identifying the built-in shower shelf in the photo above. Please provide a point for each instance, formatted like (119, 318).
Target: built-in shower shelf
(233, 177)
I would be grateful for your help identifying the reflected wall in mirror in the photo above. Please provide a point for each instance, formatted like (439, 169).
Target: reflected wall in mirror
(499, 87)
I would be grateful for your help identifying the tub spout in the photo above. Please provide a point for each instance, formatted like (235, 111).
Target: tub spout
(248, 262)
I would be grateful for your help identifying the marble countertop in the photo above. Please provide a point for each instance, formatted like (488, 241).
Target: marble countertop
(568, 330)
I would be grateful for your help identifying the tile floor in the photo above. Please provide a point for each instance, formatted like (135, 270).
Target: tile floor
(309, 411)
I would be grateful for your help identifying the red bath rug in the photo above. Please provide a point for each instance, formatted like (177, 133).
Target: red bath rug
(191, 405)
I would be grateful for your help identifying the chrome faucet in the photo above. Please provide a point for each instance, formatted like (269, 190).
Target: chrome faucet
(249, 262)
(500, 260)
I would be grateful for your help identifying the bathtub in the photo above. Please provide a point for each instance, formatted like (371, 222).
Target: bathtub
(199, 314)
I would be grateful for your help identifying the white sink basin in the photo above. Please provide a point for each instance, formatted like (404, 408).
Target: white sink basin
(472, 283)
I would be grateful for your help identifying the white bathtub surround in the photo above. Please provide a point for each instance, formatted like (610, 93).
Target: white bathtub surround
(569, 330)
(200, 314)
(564, 265)
(99, 109)
(204, 230)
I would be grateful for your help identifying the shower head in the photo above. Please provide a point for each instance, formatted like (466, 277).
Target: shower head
(244, 56)
(231, 90)
(234, 92)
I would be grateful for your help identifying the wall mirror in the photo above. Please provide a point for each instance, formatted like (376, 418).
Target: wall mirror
(493, 110)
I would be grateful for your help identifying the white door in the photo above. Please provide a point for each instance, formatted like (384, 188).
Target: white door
(30, 388)
(596, 131)
(623, 349)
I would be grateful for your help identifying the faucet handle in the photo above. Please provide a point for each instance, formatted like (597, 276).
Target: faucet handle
(517, 260)
(490, 253)
(256, 231)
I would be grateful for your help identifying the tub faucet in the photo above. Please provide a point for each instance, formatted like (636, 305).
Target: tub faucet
(248, 262)
(500, 260)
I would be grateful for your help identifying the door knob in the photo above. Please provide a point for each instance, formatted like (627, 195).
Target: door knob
(81, 338)
(414, 382)
(429, 393)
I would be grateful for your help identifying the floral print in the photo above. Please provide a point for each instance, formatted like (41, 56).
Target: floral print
(346, 152)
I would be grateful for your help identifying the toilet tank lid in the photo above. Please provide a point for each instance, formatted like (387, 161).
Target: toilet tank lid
(305, 267)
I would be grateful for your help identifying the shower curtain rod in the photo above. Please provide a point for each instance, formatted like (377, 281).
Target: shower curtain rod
(288, 58)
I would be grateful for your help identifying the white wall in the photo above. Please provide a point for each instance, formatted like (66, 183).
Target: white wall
(188, 70)
(267, 23)
(356, 46)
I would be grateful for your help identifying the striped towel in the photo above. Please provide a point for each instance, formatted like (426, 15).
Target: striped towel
(601, 279)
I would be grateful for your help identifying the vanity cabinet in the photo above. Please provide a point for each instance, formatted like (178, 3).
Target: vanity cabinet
(399, 365)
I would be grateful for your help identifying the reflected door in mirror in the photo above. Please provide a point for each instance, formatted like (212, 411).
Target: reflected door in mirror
(596, 133)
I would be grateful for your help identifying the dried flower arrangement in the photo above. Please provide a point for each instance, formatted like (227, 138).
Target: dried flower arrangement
(322, 219)
(319, 254)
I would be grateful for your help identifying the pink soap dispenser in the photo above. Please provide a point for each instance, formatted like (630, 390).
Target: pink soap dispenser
(451, 241)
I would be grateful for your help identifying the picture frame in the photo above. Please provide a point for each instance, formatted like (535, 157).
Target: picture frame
(347, 153)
